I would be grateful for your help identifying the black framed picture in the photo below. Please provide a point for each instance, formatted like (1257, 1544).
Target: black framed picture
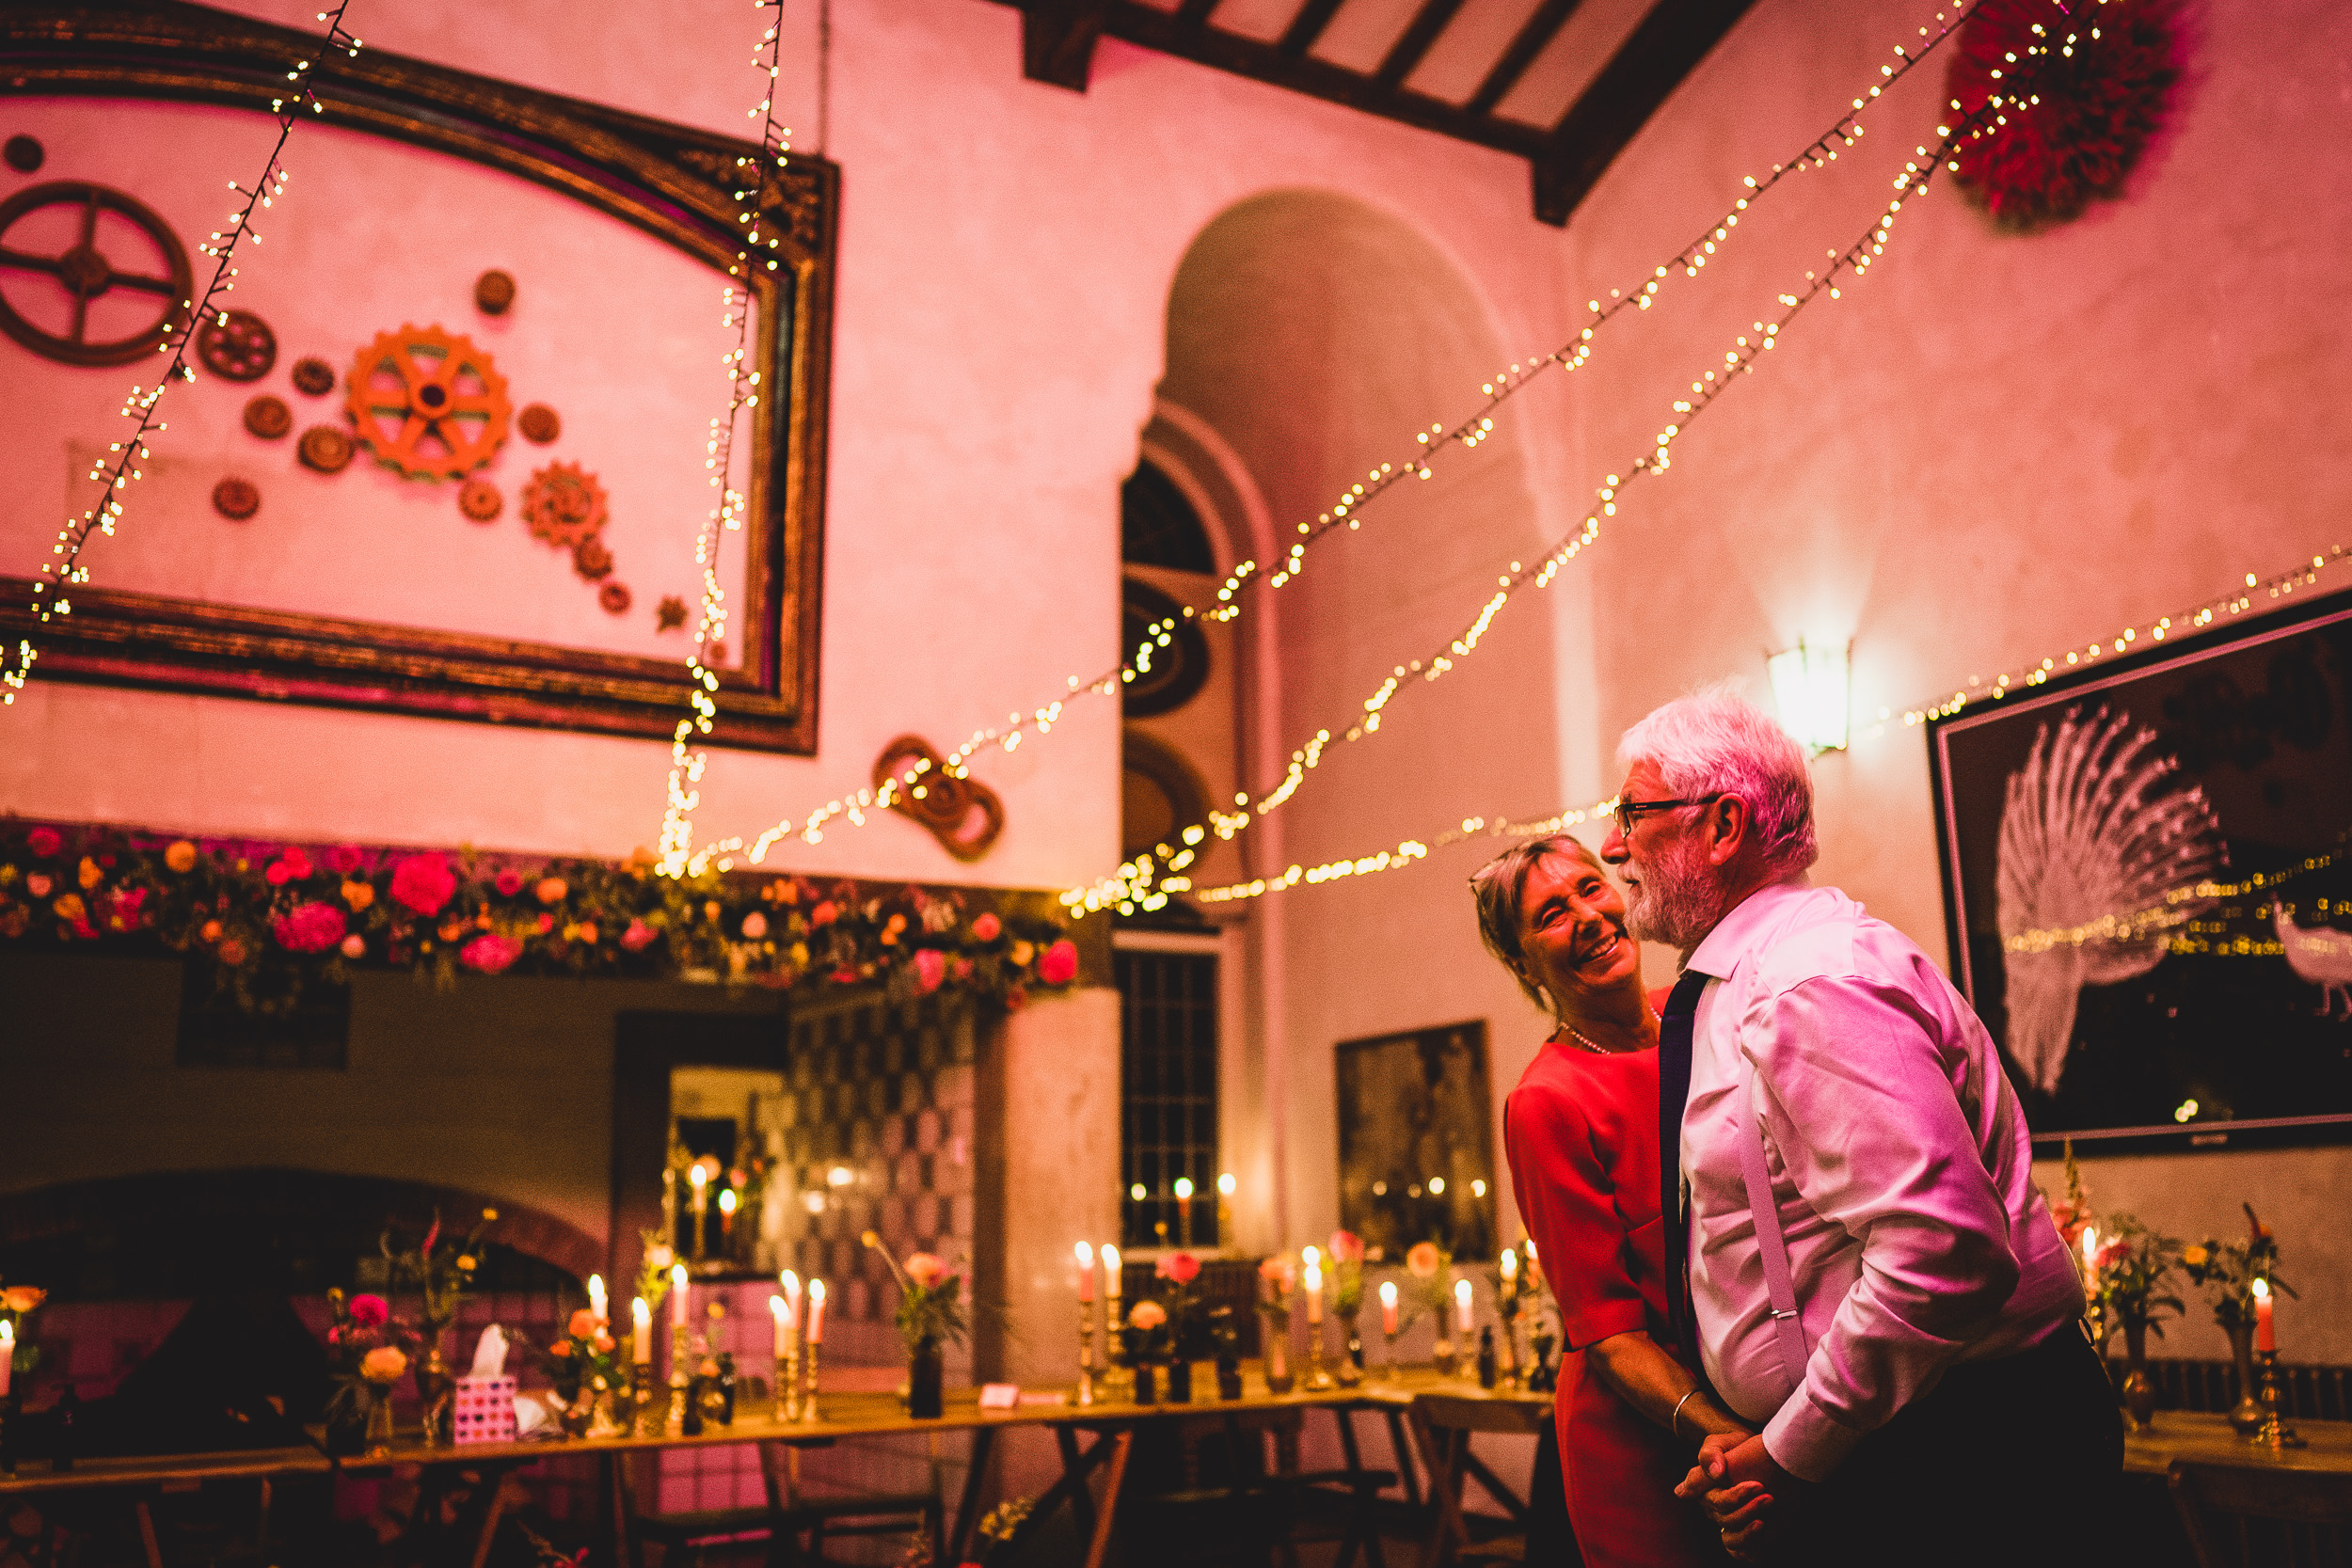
(2147, 864)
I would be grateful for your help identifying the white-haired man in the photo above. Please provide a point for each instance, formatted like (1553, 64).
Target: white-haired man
(1903, 1331)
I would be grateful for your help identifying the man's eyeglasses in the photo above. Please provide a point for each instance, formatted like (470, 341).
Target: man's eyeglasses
(1630, 811)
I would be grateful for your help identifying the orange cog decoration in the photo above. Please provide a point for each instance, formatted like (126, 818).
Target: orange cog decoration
(428, 402)
(565, 505)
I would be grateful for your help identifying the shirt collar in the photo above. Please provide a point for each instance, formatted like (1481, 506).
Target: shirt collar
(1748, 923)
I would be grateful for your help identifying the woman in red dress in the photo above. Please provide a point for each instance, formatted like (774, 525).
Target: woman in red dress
(1580, 1132)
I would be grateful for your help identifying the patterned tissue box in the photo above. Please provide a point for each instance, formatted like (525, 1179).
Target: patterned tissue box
(483, 1410)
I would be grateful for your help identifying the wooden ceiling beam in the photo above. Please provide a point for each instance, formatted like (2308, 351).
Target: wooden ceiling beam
(1195, 12)
(1539, 29)
(1663, 49)
(1058, 40)
(1307, 26)
(1415, 40)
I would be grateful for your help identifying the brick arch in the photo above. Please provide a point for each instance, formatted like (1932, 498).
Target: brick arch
(155, 1232)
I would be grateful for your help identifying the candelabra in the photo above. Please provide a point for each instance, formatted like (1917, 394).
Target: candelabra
(1085, 1353)
(787, 1385)
(1510, 1378)
(2273, 1434)
(644, 1407)
(1388, 1357)
(808, 1394)
(1118, 1379)
(1316, 1376)
(681, 1356)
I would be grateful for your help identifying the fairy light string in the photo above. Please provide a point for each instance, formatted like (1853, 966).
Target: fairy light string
(1346, 512)
(120, 469)
(754, 176)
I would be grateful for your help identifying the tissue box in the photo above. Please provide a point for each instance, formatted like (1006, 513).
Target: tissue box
(483, 1410)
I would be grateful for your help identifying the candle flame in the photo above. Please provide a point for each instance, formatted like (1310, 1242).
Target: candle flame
(817, 1291)
(2090, 1246)
(1086, 1256)
(791, 1281)
(1462, 1291)
(697, 1174)
(1511, 1265)
(1313, 1255)
(641, 1312)
(726, 1200)
(775, 1304)
(1388, 1292)
(677, 1277)
(1111, 1259)
(2262, 1290)
(1225, 1184)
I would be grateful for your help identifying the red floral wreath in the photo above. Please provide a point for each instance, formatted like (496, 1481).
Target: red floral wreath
(2100, 84)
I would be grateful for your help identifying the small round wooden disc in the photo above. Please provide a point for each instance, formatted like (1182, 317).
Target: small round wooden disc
(268, 417)
(241, 348)
(313, 377)
(479, 499)
(591, 559)
(325, 448)
(538, 422)
(614, 598)
(493, 292)
(25, 154)
(236, 500)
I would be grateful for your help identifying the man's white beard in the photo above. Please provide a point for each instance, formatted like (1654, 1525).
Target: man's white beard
(1676, 902)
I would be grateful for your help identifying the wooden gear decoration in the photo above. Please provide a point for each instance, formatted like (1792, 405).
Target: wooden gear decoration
(428, 402)
(84, 273)
(942, 803)
(236, 345)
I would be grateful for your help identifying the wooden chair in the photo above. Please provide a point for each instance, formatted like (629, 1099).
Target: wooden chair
(2239, 1517)
(801, 1522)
(1443, 1423)
(1248, 1510)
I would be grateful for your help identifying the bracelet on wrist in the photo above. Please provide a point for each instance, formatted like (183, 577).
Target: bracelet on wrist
(1674, 1422)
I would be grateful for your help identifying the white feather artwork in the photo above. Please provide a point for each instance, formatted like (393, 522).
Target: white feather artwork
(2101, 851)
(2321, 956)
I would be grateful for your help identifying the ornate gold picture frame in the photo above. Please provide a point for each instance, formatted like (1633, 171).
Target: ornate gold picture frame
(671, 181)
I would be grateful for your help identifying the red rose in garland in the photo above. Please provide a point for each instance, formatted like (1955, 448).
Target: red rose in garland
(423, 883)
(2096, 87)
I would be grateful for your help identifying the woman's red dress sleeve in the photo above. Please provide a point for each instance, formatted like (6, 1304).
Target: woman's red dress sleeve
(1569, 1206)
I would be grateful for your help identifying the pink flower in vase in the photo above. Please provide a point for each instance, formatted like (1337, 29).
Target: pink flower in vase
(1061, 964)
(1182, 1267)
(490, 953)
(1347, 1247)
(369, 1311)
(423, 883)
(309, 928)
(925, 1269)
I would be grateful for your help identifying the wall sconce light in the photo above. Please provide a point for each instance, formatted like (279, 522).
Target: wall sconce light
(1810, 687)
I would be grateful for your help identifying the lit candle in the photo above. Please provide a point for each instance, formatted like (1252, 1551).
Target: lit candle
(597, 1302)
(1387, 1307)
(791, 1283)
(699, 1179)
(1086, 1274)
(643, 1317)
(783, 1325)
(1314, 1290)
(1225, 1184)
(2266, 1339)
(1110, 1272)
(678, 1293)
(1462, 1303)
(8, 1356)
(816, 1311)
(2091, 1260)
(726, 1211)
(1511, 1272)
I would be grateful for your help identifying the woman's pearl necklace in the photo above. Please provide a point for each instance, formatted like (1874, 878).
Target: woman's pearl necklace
(1578, 1036)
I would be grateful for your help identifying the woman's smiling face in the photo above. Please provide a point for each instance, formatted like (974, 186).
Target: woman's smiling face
(1572, 935)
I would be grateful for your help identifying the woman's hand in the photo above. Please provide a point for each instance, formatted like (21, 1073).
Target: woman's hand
(1736, 1480)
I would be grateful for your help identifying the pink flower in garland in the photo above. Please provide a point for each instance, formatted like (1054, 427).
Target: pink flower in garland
(423, 883)
(510, 882)
(44, 842)
(930, 968)
(1061, 964)
(126, 914)
(344, 859)
(308, 928)
(639, 935)
(986, 928)
(490, 953)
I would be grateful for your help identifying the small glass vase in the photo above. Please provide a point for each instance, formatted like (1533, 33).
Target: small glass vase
(1351, 1370)
(926, 1376)
(1278, 1356)
(1147, 1391)
(1179, 1382)
(2139, 1393)
(2246, 1417)
(1229, 1377)
(434, 1387)
(378, 1441)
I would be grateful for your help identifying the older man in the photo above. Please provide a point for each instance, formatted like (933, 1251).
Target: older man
(1903, 1326)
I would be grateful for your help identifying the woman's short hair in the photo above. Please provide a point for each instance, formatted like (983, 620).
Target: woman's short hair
(1715, 741)
(1498, 887)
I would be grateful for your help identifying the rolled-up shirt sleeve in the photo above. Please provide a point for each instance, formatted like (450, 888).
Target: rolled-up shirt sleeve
(1569, 1204)
(1864, 1112)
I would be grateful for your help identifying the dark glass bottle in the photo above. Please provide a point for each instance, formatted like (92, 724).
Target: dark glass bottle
(726, 1388)
(61, 1429)
(1486, 1357)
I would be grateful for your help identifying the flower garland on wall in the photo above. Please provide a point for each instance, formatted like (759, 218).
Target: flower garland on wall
(273, 919)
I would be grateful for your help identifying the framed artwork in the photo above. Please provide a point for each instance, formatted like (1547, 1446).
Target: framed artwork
(463, 468)
(1417, 1152)
(2148, 884)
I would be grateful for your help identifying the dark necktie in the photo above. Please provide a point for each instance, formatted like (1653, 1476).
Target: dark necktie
(1674, 1089)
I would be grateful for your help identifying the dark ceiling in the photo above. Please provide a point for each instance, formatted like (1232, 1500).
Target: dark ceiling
(1564, 84)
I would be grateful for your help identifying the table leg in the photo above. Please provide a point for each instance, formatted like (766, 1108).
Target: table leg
(1073, 1480)
(260, 1524)
(1122, 1441)
(147, 1534)
(968, 1509)
(1081, 1500)
(496, 1481)
(1403, 1448)
(1447, 1532)
(1496, 1487)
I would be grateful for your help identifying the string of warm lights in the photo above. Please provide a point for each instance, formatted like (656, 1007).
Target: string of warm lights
(1347, 510)
(2236, 602)
(2166, 914)
(686, 762)
(64, 567)
(1137, 884)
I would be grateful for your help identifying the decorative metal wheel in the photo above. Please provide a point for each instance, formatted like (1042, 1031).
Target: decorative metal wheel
(86, 274)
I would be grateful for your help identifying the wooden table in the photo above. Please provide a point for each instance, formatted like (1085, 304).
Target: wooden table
(146, 1478)
(2206, 1439)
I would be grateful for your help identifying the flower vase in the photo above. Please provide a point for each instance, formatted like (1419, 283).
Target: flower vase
(1180, 1382)
(1277, 1358)
(606, 1416)
(1229, 1377)
(378, 1441)
(1443, 1357)
(577, 1414)
(1147, 1391)
(434, 1387)
(2246, 1417)
(925, 1373)
(1351, 1353)
(2139, 1394)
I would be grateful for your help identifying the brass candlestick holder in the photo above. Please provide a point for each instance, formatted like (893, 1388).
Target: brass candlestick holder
(808, 1394)
(645, 1412)
(787, 1401)
(1509, 1377)
(1388, 1357)
(1316, 1376)
(1118, 1379)
(2273, 1434)
(681, 1355)
(1085, 1353)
